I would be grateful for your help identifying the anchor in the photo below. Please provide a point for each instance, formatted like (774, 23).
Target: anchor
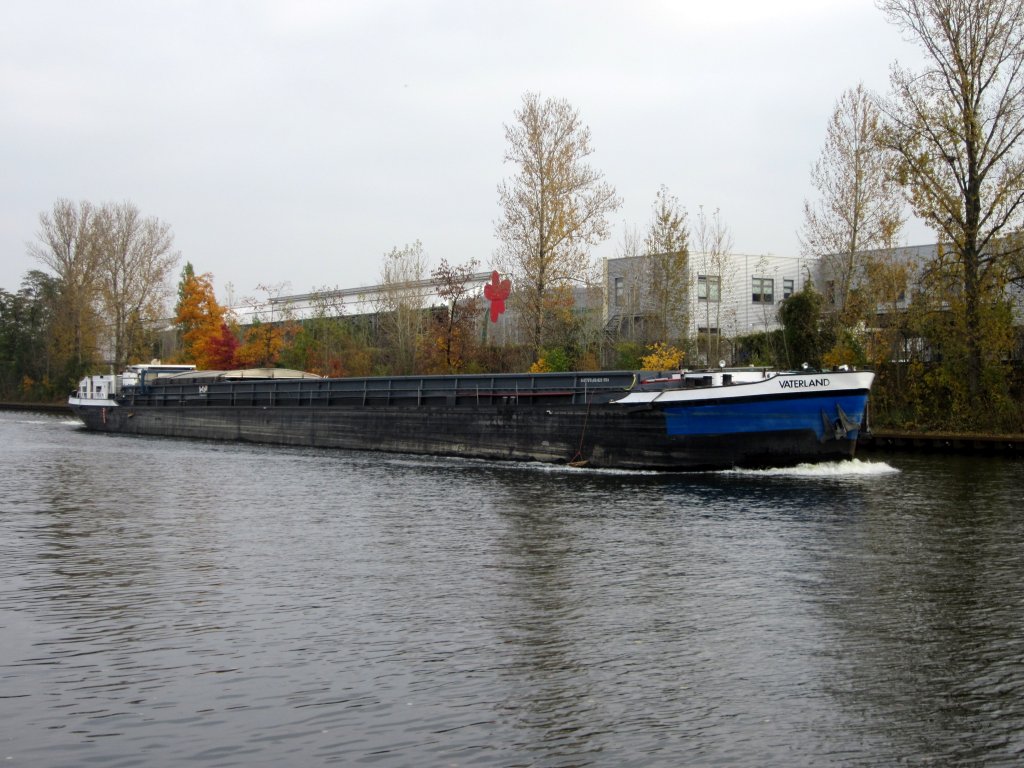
(840, 427)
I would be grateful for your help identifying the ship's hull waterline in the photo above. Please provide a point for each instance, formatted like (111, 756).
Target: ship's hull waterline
(615, 420)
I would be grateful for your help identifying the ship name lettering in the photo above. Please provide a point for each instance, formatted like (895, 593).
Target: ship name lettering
(801, 383)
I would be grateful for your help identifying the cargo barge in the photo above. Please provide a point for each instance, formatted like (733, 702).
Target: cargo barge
(677, 421)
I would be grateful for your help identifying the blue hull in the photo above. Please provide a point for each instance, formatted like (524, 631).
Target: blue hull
(771, 415)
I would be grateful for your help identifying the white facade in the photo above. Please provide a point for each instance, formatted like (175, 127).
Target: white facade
(732, 295)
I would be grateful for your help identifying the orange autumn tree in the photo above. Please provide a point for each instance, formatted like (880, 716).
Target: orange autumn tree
(271, 332)
(206, 337)
(264, 342)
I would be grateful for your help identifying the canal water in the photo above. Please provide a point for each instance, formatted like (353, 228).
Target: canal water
(167, 603)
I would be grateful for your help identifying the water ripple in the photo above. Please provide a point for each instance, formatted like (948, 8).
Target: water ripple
(164, 602)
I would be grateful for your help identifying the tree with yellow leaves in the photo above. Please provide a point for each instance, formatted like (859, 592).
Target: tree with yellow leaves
(662, 357)
(956, 130)
(552, 212)
(272, 331)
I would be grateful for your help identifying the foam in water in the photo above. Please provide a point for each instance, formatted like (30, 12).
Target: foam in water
(570, 469)
(851, 468)
(31, 420)
(835, 469)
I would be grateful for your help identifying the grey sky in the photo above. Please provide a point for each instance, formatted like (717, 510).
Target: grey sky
(296, 142)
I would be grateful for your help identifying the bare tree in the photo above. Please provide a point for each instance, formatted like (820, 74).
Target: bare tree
(552, 211)
(956, 128)
(403, 284)
(113, 266)
(454, 285)
(67, 245)
(135, 264)
(666, 264)
(859, 207)
(712, 257)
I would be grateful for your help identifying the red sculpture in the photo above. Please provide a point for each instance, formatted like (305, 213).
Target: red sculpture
(496, 292)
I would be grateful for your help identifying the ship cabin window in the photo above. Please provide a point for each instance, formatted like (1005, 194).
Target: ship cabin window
(709, 288)
(763, 290)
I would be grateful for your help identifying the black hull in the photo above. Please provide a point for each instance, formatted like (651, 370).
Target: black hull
(598, 435)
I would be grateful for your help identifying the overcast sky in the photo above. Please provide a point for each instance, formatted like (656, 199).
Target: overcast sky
(296, 142)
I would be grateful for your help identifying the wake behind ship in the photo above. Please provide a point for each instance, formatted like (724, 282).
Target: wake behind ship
(677, 421)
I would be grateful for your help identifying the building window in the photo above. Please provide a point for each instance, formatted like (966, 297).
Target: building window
(620, 290)
(763, 290)
(709, 288)
(787, 287)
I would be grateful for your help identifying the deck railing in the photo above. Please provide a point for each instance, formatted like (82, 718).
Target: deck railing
(470, 390)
